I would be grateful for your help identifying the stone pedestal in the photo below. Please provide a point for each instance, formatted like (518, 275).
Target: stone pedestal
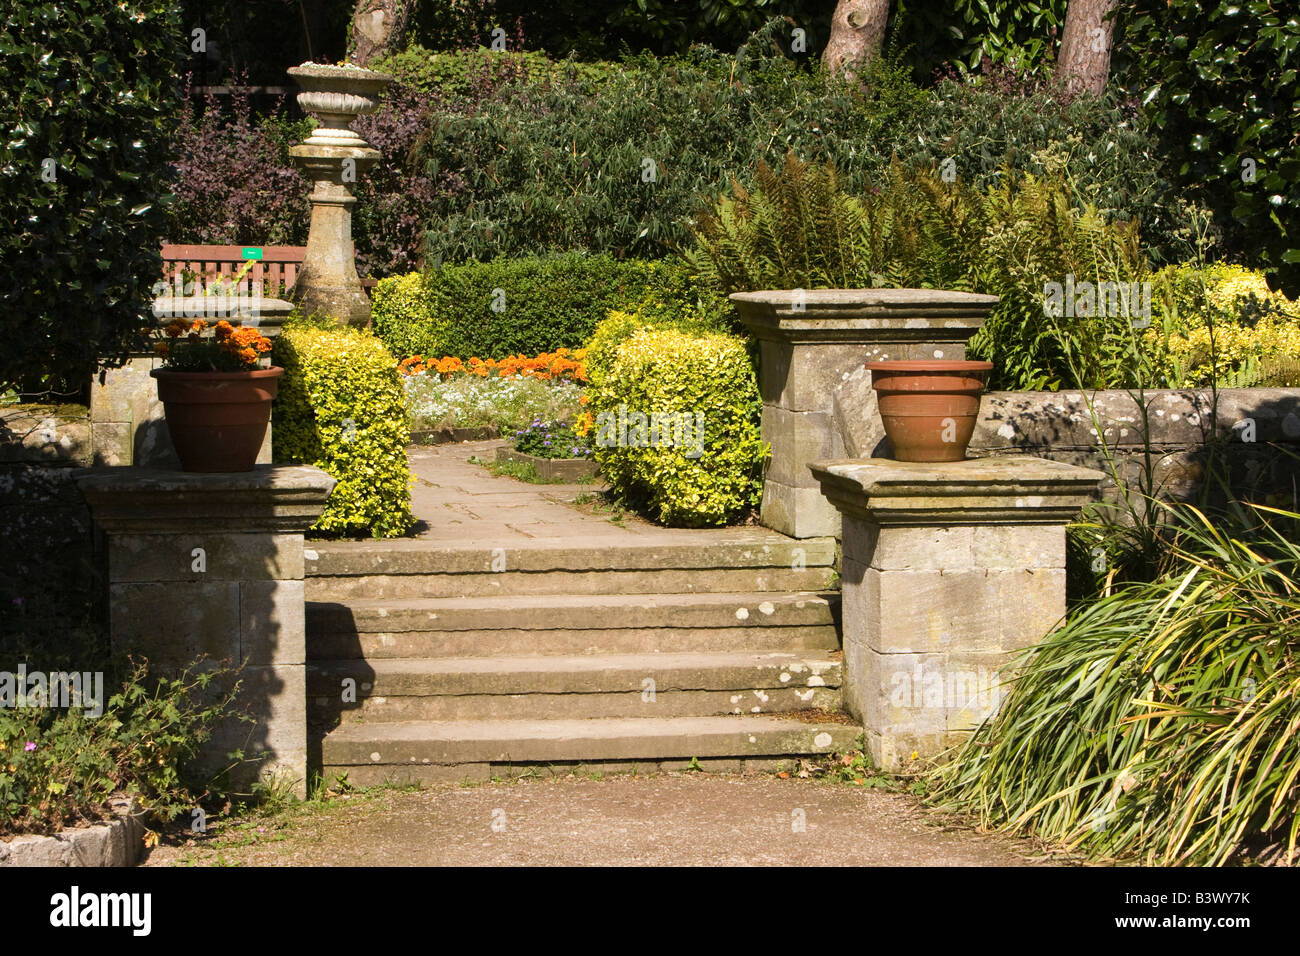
(208, 564)
(327, 281)
(811, 344)
(948, 570)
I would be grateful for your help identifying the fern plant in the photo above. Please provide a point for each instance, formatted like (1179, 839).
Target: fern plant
(797, 228)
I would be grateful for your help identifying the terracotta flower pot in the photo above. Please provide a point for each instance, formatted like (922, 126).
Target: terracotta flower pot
(217, 420)
(928, 406)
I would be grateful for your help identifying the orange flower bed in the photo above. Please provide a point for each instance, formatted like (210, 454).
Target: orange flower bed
(562, 364)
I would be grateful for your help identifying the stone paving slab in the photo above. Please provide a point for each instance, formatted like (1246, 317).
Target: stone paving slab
(672, 819)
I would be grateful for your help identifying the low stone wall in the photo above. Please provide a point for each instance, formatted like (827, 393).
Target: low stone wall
(118, 842)
(1258, 431)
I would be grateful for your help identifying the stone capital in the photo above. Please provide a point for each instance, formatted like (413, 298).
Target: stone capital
(1017, 489)
(270, 498)
(844, 316)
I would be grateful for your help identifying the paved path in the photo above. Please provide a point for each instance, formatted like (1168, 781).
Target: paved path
(458, 501)
(676, 819)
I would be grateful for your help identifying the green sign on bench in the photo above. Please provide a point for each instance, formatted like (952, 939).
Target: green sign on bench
(252, 252)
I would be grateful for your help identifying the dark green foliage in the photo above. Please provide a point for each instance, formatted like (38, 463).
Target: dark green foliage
(551, 166)
(59, 767)
(93, 87)
(1005, 119)
(1220, 79)
(605, 29)
(554, 161)
(965, 32)
(263, 38)
(544, 303)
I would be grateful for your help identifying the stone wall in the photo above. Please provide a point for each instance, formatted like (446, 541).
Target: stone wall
(49, 575)
(1255, 433)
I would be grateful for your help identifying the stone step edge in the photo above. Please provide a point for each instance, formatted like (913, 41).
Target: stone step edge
(345, 559)
(578, 674)
(436, 743)
(587, 612)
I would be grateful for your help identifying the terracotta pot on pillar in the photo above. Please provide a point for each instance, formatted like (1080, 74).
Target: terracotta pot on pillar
(929, 407)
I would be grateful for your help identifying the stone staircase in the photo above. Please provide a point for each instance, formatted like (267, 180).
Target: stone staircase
(431, 661)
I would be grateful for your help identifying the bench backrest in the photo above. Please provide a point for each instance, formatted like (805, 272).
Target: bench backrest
(277, 270)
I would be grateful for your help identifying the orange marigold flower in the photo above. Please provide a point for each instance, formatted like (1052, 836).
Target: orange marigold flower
(175, 327)
(224, 330)
(248, 355)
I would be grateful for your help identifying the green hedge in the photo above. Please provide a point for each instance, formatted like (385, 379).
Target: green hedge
(90, 86)
(553, 166)
(528, 305)
(341, 408)
(704, 465)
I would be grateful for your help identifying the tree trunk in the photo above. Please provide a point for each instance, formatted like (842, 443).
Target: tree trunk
(377, 28)
(857, 34)
(1084, 58)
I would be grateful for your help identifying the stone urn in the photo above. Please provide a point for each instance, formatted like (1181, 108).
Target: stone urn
(336, 95)
(929, 407)
(334, 158)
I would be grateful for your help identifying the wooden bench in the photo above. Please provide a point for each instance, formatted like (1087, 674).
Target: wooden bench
(275, 267)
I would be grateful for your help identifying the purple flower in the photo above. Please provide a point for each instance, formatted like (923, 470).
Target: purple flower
(31, 745)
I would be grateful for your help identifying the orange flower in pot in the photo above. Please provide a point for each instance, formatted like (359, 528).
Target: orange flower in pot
(216, 396)
(929, 407)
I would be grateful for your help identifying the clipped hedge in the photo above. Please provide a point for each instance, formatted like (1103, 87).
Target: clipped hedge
(341, 408)
(703, 464)
(528, 305)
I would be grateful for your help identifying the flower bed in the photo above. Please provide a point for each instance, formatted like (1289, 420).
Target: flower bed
(503, 394)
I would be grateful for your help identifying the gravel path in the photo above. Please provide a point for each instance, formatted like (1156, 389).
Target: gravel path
(673, 819)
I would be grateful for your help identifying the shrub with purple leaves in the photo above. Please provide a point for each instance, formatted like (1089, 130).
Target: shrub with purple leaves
(552, 440)
(236, 185)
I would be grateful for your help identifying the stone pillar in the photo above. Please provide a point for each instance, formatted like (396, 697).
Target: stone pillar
(327, 280)
(212, 564)
(948, 569)
(814, 342)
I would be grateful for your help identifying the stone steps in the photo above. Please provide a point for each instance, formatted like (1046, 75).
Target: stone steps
(519, 641)
(432, 751)
(605, 685)
(648, 650)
